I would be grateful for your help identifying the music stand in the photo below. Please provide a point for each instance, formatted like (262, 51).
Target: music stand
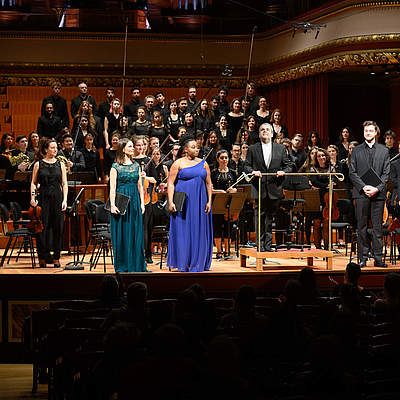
(235, 206)
(72, 211)
(296, 183)
(219, 205)
(248, 213)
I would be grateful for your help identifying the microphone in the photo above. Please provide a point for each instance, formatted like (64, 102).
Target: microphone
(255, 29)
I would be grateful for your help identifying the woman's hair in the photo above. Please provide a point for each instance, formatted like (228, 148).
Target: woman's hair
(119, 101)
(141, 108)
(120, 156)
(30, 146)
(136, 138)
(328, 159)
(350, 134)
(334, 147)
(309, 142)
(184, 140)
(309, 161)
(161, 120)
(233, 101)
(277, 110)
(44, 144)
(217, 145)
(209, 111)
(90, 117)
(3, 141)
(92, 135)
(223, 151)
(115, 134)
(248, 119)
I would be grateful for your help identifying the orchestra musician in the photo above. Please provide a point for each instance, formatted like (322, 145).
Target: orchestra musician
(149, 181)
(369, 197)
(267, 157)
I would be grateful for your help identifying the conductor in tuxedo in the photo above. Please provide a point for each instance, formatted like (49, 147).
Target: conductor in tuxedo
(369, 196)
(262, 157)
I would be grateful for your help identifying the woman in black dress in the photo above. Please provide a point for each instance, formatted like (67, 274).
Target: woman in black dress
(109, 155)
(150, 175)
(225, 136)
(343, 143)
(157, 128)
(111, 121)
(173, 120)
(222, 178)
(263, 114)
(204, 117)
(214, 145)
(50, 175)
(235, 117)
(276, 122)
(313, 140)
(92, 157)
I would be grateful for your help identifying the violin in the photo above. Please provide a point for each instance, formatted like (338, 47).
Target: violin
(35, 225)
(335, 210)
(147, 197)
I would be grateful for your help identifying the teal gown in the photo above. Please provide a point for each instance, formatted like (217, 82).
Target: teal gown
(127, 230)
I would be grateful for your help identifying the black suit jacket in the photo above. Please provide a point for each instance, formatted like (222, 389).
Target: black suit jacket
(279, 162)
(359, 166)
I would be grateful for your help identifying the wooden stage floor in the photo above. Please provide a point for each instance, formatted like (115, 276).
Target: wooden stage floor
(232, 266)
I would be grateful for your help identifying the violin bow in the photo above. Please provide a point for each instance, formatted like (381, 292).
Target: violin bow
(168, 138)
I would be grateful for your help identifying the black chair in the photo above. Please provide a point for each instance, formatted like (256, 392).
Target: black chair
(20, 231)
(344, 221)
(91, 227)
(102, 245)
(160, 234)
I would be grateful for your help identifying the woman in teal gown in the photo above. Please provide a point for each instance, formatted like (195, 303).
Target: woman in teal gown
(127, 230)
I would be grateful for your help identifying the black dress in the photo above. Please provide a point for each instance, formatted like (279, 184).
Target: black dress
(50, 199)
(221, 181)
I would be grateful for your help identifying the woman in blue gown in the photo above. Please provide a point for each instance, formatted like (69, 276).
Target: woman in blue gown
(191, 236)
(127, 230)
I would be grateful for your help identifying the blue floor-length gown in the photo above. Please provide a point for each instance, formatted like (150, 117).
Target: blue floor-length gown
(191, 237)
(127, 230)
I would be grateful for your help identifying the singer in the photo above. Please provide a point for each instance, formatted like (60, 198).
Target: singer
(190, 242)
(262, 157)
(127, 230)
(51, 175)
(369, 196)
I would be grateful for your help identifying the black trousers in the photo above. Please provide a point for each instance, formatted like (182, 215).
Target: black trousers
(268, 211)
(367, 208)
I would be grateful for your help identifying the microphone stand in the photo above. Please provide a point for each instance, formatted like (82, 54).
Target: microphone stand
(76, 264)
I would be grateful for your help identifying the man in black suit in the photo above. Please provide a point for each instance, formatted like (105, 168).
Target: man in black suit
(83, 95)
(262, 157)
(369, 197)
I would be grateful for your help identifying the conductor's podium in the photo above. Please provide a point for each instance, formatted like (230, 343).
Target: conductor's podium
(306, 253)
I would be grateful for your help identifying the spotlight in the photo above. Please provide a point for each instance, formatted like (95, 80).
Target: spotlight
(371, 71)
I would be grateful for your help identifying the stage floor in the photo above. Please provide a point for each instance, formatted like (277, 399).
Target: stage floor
(231, 266)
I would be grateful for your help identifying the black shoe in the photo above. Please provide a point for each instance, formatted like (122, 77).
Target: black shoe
(149, 260)
(380, 264)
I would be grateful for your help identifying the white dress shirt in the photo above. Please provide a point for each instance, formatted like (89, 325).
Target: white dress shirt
(267, 153)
